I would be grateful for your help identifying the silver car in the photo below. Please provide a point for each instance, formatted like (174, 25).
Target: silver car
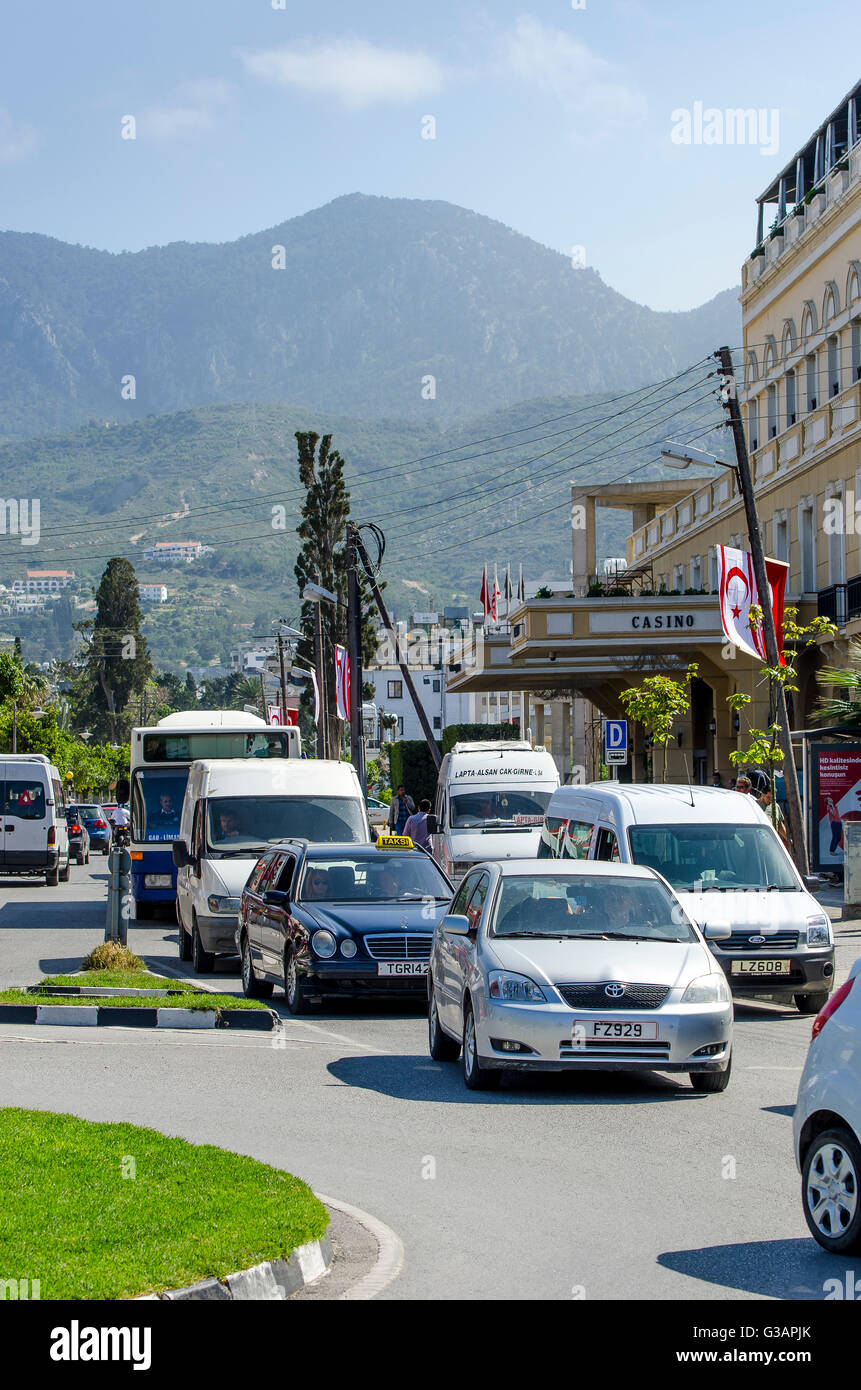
(575, 965)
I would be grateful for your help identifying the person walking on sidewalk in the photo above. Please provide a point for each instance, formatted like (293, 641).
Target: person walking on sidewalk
(401, 809)
(417, 825)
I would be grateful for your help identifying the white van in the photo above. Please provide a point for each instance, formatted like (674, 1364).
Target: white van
(233, 810)
(34, 837)
(490, 803)
(720, 853)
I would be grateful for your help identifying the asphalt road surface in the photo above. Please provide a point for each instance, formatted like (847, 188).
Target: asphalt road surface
(558, 1187)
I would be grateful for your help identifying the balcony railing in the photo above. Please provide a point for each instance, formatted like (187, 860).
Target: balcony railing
(832, 603)
(853, 597)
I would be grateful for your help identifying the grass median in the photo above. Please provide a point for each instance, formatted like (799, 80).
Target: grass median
(189, 996)
(106, 1211)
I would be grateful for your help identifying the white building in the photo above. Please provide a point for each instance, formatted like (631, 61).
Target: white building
(175, 552)
(251, 657)
(152, 593)
(44, 582)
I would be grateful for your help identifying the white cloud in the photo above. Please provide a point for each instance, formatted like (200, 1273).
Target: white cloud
(355, 72)
(194, 110)
(587, 85)
(17, 141)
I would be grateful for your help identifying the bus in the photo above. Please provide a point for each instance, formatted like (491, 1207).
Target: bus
(160, 759)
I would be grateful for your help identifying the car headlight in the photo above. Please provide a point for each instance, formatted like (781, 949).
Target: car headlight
(324, 944)
(348, 947)
(514, 989)
(222, 905)
(707, 989)
(818, 930)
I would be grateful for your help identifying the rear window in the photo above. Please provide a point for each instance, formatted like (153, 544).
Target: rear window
(26, 800)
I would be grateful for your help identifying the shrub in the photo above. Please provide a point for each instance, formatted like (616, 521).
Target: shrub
(476, 733)
(411, 764)
(111, 955)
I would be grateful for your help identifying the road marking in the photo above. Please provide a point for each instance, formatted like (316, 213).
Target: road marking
(772, 1068)
(342, 1037)
(390, 1260)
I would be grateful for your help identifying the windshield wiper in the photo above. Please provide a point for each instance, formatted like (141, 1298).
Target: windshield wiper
(248, 853)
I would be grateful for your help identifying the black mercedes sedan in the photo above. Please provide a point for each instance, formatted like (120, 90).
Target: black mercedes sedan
(329, 920)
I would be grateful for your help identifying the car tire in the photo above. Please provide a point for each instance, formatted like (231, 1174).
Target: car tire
(87, 860)
(441, 1047)
(842, 1142)
(184, 943)
(810, 1003)
(203, 961)
(475, 1076)
(52, 878)
(297, 1000)
(64, 874)
(712, 1082)
(144, 912)
(252, 988)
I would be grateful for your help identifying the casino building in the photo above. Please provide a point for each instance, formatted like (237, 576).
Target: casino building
(800, 385)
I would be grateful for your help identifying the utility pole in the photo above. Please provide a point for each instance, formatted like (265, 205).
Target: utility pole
(322, 731)
(433, 747)
(354, 649)
(283, 680)
(729, 397)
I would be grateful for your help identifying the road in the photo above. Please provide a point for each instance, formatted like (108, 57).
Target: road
(602, 1186)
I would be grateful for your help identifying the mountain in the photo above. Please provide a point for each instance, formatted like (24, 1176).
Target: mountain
(376, 295)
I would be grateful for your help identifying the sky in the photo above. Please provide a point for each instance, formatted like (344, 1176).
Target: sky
(564, 119)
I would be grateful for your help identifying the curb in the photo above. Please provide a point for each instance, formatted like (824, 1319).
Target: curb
(273, 1280)
(105, 1016)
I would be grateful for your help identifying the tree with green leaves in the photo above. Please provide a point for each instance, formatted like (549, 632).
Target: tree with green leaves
(657, 704)
(117, 664)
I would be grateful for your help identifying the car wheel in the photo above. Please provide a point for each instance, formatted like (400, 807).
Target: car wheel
(475, 1076)
(52, 878)
(829, 1190)
(297, 1000)
(63, 874)
(252, 988)
(203, 961)
(87, 860)
(441, 1047)
(184, 943)
(712, 1081)
(810, 1003)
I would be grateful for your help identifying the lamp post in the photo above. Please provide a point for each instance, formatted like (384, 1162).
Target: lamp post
(314, 593)
(682, 456)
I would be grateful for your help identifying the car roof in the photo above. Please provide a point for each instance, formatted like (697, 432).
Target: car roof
(568, 868)
(351, 849)
(658, 803)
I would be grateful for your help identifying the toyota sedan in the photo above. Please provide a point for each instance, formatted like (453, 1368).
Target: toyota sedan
(328, 920)
(575, 965)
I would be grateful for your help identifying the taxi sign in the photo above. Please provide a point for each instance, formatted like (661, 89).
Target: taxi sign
(394, 842)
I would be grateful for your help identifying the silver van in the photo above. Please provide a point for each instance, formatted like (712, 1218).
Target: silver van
(719, 852)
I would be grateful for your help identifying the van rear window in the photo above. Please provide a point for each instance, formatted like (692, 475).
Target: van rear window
(26, 800)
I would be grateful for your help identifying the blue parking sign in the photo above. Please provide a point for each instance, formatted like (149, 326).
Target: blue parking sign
(615, 740)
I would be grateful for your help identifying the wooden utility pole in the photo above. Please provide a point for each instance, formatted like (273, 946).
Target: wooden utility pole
(795, 817)
(283, 680)
(354, 650)
(322, 740)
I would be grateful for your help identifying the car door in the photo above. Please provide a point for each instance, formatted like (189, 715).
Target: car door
(186, 877)
(273, 915)
(250, 905)
(462, 951)
(444, 966)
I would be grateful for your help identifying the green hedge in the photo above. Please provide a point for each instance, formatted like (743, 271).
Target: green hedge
(411, 763)
(478, 733)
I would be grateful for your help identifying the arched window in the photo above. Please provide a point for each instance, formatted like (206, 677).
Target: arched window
(770, 358)
(853, 282)
(789, 339)
(808, 320)
(751, 369)
(830, 302)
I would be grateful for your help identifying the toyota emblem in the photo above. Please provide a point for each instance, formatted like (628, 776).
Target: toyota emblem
(614, 991)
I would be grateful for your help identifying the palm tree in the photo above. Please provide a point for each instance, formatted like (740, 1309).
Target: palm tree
(835, 709)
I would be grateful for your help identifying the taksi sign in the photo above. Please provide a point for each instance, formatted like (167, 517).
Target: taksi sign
(615, 741)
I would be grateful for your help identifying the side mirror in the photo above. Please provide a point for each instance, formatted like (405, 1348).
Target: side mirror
(456, 925)
(715, 931)
(276, 897)
(813, 883)
(181, 856)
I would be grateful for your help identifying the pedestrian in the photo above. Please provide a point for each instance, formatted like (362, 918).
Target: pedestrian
(717, 780)
(400, 810)
(742, 784)
(776, 817)
(417, 825)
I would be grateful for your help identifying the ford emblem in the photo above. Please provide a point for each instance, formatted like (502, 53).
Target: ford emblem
(757, 941)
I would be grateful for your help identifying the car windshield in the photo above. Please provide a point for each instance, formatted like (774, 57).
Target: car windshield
(247, 824)
(701, 858)
(89, 812)
(510, 806)
(157, 803)
(605, 905)
(383, 877)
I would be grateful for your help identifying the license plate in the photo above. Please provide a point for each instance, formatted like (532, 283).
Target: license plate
(761, 967)
(156, 880)
(402, 967)
(613, 1028)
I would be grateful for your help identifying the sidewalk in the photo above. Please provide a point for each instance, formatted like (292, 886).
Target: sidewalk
(847, 934)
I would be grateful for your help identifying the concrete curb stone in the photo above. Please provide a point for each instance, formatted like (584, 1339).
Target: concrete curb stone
(105, 1016)
(267, 1282)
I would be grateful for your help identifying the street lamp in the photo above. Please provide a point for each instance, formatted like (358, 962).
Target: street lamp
(683, 455)
(316, 594)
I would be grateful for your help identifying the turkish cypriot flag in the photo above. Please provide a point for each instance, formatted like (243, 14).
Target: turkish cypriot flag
(738, 594)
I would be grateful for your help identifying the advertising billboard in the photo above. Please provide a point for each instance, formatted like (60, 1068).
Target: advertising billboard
(836, 797)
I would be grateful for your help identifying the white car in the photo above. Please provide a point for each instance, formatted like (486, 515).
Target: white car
(827, 1124)
(378, 813)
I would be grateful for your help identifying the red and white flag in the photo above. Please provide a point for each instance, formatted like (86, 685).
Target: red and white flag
(342, 682)
(275, 715)
(485, 593)
(495, 597)
(738, 594)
